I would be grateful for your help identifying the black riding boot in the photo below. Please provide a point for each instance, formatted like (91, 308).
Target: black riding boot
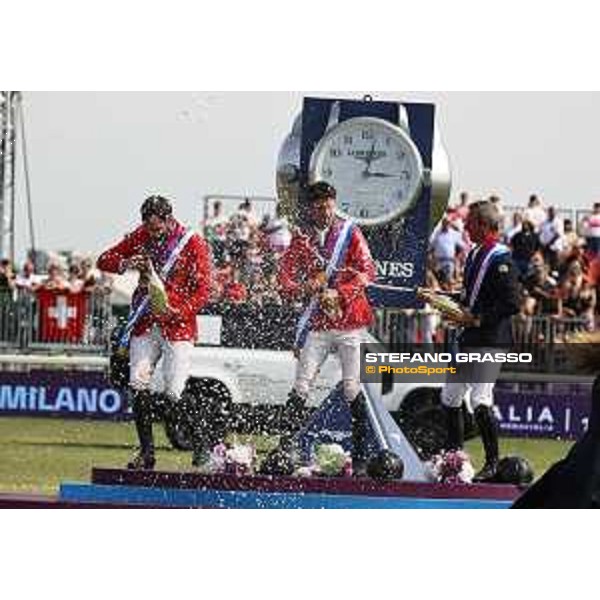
(488, 427)
(193, 418)
(358, 409)
(292, 418)
(141, 404)
(455, 437)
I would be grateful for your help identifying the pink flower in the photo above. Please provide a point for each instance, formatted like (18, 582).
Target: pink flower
(451, 467)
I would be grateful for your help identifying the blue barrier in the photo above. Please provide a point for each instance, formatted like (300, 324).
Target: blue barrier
(177, 498)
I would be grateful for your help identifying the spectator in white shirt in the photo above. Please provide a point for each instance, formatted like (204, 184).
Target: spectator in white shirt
(446, 245)
(535, 212)
(27, 280)
(593, 230)
(278, 232)
(552, 239)
(516, 227)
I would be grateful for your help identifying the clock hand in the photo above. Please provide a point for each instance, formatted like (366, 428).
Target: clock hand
(369, 160)
(382, 175)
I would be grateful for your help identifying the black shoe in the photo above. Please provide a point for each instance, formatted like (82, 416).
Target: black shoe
(141, 462)
(359, 468)
(487, 474)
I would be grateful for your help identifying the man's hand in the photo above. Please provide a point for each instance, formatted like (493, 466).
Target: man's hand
(548, 295)
(139, 262)
(169, 313)
(424, 294)
(330, 303)
(315, 285)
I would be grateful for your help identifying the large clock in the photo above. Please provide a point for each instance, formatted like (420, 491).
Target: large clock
(375, 167)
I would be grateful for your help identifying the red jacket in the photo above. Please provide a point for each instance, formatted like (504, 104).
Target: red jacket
(301, 263)
(188, 285)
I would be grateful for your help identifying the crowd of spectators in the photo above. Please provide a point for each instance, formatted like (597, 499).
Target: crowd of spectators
(246, 253)
(79, 276)
(24, 293)
(557, 260)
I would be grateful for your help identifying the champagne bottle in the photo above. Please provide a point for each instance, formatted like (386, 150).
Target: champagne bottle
(157, 292)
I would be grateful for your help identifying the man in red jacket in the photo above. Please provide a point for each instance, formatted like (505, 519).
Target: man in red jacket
(343, 311)
(169, 333)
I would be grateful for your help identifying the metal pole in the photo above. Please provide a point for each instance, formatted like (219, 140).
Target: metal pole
(15, 97)
(4, 96)
(8, 138)
(27, 182)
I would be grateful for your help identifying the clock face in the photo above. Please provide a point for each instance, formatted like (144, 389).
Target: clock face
(375, 167)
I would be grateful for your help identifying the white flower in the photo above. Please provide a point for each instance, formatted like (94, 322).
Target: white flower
(218, 459)
(237, 459)
(467, 473)
(305, 472)
(242, 455)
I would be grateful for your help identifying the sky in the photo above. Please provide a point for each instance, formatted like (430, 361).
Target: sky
(94, 156)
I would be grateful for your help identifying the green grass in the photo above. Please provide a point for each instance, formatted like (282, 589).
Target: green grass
(542, 454)
(36, 455)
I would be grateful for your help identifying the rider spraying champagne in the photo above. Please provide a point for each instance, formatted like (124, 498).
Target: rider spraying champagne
(328, 267)
(174, 282)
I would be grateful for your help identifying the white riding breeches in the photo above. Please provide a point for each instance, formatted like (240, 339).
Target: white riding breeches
(145, 353)
(315, 352)
(480, 391)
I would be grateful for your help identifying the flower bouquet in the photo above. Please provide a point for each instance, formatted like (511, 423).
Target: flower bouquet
(451, 467)
(232, 459)
(330, 460)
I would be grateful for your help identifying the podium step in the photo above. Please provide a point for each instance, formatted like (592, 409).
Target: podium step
(193, 490)
(330, 486)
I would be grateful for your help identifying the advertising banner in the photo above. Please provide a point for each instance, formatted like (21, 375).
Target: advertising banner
(559, 412)
(78, 394)
(550, 414)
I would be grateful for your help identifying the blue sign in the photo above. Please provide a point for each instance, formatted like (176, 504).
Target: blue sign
(399, 248)
(543, 415)
(81, 394)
